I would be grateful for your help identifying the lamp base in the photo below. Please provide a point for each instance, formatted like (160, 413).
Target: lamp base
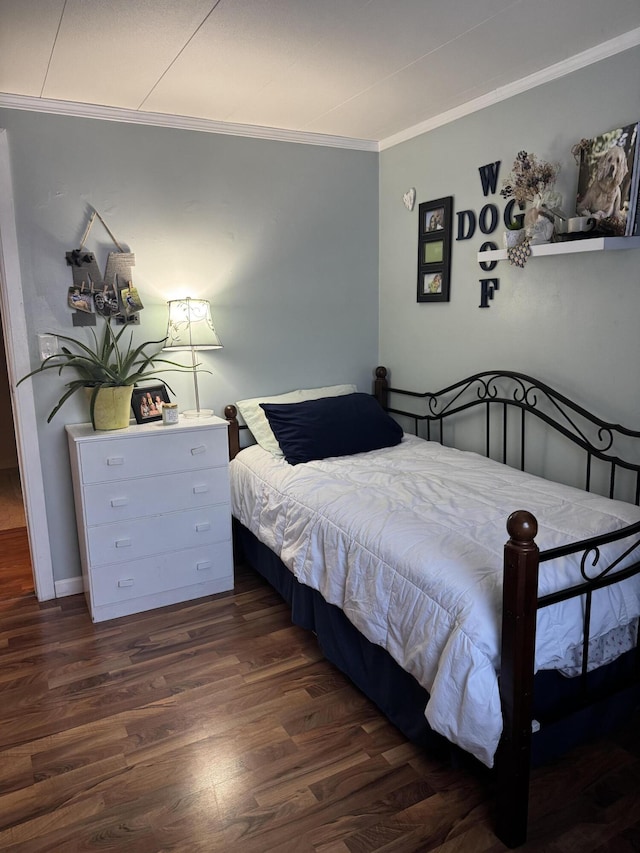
(195, 413)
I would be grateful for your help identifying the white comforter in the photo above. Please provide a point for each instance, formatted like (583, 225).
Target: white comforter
(408, 541)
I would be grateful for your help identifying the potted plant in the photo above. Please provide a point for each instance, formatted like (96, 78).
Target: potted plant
(108, 371)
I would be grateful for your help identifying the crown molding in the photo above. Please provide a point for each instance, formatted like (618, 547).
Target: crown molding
(553, 72)
(502, 93)
(103, 113)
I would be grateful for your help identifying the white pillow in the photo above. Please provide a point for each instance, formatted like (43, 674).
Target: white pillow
(256, 420)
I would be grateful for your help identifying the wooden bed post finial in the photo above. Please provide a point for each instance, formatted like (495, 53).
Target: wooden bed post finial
(522, 528)
(231, 414)
(519, 612)
(381, 386)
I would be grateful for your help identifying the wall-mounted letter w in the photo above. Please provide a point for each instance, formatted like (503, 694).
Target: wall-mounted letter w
(489, 177)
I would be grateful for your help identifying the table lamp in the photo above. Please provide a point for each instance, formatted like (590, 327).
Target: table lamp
(191, 328)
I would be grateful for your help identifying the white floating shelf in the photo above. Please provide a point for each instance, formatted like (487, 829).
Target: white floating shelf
(568, 247)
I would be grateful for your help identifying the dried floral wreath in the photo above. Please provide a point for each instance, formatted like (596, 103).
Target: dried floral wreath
(530, 179)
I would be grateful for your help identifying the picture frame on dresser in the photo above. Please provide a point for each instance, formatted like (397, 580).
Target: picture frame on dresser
(147, 402)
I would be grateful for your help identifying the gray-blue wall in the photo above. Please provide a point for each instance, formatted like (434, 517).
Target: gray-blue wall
(571, 320)
(288, 241)
(281, 237)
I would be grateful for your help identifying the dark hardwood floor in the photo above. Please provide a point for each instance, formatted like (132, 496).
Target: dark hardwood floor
(16, 576)
(217, 726)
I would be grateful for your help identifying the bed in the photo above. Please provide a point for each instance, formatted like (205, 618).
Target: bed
(390, 545)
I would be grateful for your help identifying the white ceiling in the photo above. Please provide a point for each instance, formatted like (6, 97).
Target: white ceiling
(372, 70)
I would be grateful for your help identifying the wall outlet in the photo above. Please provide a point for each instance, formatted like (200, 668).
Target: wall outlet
(48, 345)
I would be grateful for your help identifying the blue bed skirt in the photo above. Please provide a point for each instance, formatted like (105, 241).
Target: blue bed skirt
(395, 692)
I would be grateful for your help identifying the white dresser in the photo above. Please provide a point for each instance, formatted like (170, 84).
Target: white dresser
(153, 513)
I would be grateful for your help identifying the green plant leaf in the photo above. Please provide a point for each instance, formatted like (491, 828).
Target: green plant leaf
(110, 362)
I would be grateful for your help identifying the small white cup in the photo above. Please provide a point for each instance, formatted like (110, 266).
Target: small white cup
(580, 223)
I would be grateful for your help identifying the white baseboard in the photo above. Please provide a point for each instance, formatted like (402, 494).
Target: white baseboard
(68, 586)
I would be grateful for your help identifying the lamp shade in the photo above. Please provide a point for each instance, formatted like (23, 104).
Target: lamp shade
(190, 326)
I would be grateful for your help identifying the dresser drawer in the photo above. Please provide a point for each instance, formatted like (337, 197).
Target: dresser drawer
(138, 538)
(128, 499)
(162, 572)
(159, 453)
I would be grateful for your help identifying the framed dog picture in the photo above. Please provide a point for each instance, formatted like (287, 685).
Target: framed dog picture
(434, 250)
(608, 181)
(147, 403)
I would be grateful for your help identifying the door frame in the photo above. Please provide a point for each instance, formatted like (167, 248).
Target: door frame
(14, 328)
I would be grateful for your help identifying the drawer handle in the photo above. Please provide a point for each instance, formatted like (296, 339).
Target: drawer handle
(115, 460)
(200, 490)
(125, 582)
(123, 543)
(204, 566)
(201, 448)
(205, 525)
(119, 501)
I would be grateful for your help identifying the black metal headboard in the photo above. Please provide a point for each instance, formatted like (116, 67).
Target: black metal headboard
(505, 436)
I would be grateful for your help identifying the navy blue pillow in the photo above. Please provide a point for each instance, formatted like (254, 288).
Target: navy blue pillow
(331, 426)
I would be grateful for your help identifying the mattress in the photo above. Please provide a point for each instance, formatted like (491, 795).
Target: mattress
(408, 542)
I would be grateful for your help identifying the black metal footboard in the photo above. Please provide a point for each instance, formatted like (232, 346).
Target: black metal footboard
(521, 604)
(610, 466)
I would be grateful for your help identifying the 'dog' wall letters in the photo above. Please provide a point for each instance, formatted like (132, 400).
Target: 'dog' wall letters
(487, 221)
